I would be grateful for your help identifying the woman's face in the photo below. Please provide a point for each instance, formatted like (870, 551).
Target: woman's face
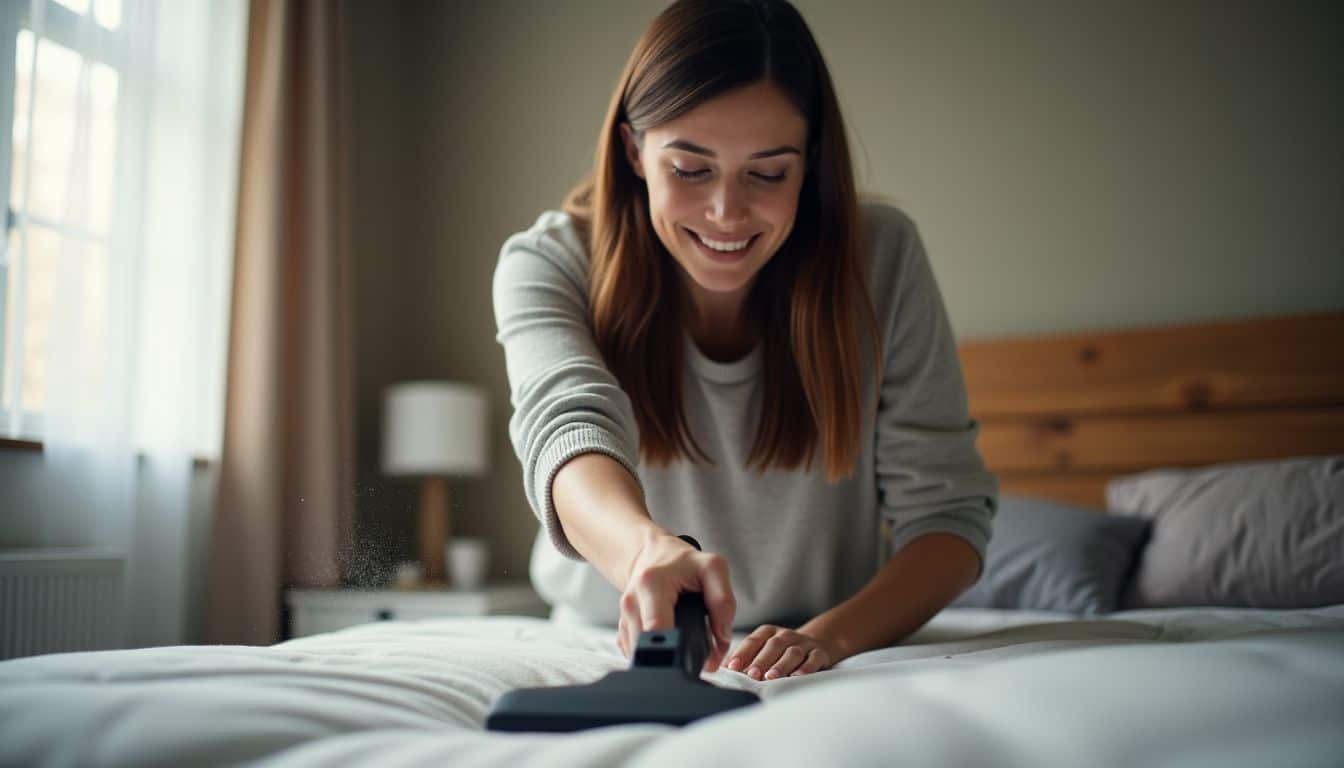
(723, 183)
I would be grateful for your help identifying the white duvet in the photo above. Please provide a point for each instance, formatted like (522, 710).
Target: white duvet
(1188, 687)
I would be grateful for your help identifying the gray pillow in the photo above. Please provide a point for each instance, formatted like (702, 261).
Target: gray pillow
(1052, 557)
(1254, 534)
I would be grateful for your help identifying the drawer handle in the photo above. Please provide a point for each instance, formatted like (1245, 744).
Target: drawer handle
(384, 615)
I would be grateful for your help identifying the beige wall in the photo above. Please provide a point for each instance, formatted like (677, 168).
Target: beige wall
(1072, 165)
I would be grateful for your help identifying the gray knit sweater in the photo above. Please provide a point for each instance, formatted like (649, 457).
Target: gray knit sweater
(795, 545)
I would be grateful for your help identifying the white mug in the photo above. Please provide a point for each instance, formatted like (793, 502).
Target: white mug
(467, 560)
(409, 573)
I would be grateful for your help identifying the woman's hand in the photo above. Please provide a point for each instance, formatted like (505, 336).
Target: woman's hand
(772, 652)
(663, 569)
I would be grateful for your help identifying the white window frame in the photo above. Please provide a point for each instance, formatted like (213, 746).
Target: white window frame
(48, 20)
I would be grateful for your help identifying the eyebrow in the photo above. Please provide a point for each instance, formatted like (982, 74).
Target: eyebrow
(687, 146)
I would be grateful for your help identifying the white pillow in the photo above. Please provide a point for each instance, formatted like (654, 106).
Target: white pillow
(1256, 534)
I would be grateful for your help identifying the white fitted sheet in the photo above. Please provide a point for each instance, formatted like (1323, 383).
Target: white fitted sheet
(1203, 686)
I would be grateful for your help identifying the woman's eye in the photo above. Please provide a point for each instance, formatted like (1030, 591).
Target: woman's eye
(685, 174)
(689, 174)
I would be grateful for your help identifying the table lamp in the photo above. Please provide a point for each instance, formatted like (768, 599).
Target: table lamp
(435, 430)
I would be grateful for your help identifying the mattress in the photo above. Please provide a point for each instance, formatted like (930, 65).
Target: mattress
(1187, 687)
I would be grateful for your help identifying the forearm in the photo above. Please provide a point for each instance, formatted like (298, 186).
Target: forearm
(602, 511)
(914, 584)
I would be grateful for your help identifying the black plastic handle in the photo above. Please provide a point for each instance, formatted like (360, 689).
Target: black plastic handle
(692, 619)
(694, 638)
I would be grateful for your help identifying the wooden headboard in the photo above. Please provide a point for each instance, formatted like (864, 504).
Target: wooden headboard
(1061, 415)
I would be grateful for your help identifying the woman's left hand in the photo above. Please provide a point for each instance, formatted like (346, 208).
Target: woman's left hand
(772, 652)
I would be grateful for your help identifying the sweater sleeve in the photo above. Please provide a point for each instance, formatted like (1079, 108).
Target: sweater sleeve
(565, 400)
(930, 476)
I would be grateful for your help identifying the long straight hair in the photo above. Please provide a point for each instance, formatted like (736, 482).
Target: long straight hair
(814, 286)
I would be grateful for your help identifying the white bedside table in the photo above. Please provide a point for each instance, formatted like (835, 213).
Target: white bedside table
(323, 610)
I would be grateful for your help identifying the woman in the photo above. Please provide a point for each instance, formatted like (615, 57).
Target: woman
(715, 338)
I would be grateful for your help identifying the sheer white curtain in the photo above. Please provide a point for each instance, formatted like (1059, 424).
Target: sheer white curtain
(135, 352)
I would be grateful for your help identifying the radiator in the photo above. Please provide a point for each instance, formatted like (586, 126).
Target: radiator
(54, 600)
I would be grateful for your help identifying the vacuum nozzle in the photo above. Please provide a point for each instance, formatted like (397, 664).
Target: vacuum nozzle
(663, 684)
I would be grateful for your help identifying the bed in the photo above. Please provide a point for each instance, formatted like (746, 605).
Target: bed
(1249, 672)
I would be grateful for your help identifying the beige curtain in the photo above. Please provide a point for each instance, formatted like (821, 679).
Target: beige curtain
(286, 489)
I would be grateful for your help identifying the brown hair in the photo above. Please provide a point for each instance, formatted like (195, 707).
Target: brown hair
(814, 285)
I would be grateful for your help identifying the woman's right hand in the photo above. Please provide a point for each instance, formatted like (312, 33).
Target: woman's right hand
(664, 568)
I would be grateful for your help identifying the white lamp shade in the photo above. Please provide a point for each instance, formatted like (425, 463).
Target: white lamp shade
(435, 428)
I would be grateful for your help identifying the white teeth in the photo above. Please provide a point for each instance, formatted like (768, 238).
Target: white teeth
(723, 245)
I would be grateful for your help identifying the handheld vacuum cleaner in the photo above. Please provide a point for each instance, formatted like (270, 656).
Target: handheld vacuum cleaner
(663, 684)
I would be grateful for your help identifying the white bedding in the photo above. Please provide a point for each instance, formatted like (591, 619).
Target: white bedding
(1187, 687)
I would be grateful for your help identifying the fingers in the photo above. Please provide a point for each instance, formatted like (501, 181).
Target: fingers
(655, 606)
(748, 649)
(643, 607)
(718, 592)
(771, 652)
(815, 662)
(718, 648)
(715, 656)
(788, 661)
(627, 638)
(628, 628)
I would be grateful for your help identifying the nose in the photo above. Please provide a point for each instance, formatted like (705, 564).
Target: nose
(728, 205)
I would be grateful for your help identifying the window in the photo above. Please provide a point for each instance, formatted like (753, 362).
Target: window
(62, 138)
(119, 132)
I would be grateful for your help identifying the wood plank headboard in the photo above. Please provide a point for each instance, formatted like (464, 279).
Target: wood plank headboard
(1061, 415)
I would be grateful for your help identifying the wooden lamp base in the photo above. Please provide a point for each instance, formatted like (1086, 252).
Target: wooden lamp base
(433, 534)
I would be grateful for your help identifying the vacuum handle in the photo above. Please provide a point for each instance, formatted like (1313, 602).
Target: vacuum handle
(693, 637)
(692, 618)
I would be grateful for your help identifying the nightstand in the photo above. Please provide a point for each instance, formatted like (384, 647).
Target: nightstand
(324, 610)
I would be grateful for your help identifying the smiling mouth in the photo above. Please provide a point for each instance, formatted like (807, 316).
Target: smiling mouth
(722, 248)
